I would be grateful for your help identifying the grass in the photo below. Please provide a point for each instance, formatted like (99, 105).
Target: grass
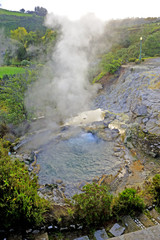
(6, 12)
(11, 71)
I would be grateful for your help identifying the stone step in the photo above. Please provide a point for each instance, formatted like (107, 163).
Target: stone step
(130, 224)
(101, 235)
(82, 238)
(145, 220)
(151, 233)
(43, 236)
(117, 230)
(155, 216)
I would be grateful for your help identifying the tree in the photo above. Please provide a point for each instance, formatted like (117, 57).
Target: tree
(22, 10)
(19, 34)
(40, 11)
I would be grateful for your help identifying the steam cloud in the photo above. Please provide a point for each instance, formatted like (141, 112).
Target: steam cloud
(64, 89)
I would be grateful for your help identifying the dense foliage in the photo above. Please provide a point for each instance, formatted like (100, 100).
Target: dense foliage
(128, 202)
(12, 97)
(156, 188)
(93, 206)
(19, 201)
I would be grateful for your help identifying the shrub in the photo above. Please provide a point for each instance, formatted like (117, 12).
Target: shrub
(19, 201)
(128, 202)
(156, 188)
(132, 59)
(93, 206)
(137, 61)
(25, 63)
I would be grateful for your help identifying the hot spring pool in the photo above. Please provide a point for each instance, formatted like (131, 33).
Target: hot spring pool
(77, 159)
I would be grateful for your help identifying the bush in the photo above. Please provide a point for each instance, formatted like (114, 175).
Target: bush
(128, 202)
(156, 188)
(19, 201)
(93, 206)
(25, 63)
(132, 59)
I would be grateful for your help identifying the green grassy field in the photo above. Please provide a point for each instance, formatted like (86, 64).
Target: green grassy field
(11, 71)
(6, 12)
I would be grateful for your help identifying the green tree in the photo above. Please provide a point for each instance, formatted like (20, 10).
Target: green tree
(19, 34)
(40, 11)
(19, 201)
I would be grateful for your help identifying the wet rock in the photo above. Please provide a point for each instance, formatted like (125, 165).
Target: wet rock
(101, 235)
(117, 230)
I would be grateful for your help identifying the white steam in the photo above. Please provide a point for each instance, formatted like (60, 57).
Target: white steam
(67, 91)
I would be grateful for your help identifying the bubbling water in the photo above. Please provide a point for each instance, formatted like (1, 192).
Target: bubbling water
(77, 159)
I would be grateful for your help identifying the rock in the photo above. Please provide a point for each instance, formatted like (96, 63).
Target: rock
(29, 230)
(59, 181)
(146, 141)
(82, 238)
(117, 230)
(50, 227)
(43, 236)
(101, 235)
(35, 232)
(140, 110)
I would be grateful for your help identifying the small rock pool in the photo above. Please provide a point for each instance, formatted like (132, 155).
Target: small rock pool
(79, 158)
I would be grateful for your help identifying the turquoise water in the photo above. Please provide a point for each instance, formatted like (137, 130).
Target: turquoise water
(78, 159)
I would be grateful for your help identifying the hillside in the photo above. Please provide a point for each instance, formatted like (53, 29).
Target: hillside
(10, 20)
(123, 39)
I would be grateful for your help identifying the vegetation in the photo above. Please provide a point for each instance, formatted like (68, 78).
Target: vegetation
(19, 202)
(11, 71)
(93, 206)
(29, 39)
(96, 205)
(10, 20)
(125, 40)
(128, 202)
(12, 93)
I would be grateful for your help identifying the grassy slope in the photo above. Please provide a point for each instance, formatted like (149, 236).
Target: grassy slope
(10, 20)
(13, 13)
(10, 70)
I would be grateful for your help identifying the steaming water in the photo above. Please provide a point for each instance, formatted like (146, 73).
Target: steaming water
(77, 159)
